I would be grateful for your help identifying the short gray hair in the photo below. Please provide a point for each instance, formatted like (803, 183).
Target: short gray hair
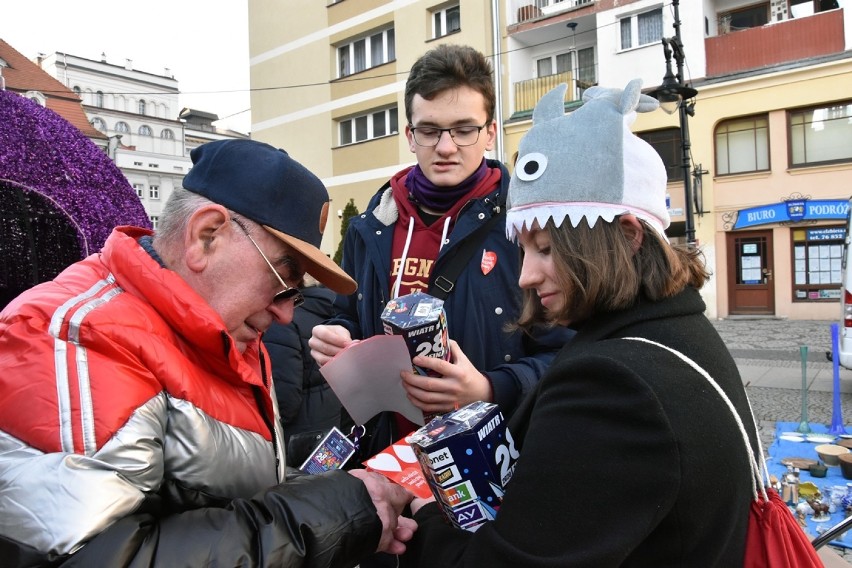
(178, 209)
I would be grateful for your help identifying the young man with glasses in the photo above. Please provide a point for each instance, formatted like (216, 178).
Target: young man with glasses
(137, 421)
(414, 225)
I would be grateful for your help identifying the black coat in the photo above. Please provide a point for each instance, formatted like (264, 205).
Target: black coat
(628, 457)
(307, 405)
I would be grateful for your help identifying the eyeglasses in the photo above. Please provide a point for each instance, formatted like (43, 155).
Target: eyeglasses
(287, 293)
(429, 136)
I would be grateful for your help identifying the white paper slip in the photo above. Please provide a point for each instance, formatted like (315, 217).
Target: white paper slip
(365, 377)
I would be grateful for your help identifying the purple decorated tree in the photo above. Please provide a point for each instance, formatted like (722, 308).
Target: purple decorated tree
(60, 195)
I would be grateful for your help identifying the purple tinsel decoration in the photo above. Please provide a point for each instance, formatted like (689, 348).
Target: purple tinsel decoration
(58, 167)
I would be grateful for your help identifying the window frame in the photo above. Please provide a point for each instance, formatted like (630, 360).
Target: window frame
(347, 53)
(807, 127)
(737, 148)
(154, 192)
(351, 125)
(167, 134)
(634, 30)
(122, 127)
(145, 130)
(440, 21)
(140, 190)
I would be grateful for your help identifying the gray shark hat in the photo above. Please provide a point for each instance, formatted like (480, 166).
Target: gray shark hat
(587, 163)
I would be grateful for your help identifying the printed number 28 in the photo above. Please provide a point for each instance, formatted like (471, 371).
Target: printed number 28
(504, 455)
(433, 349)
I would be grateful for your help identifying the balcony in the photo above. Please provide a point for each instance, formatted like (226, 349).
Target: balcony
(523, 11)
(775, 44)
(528, 93)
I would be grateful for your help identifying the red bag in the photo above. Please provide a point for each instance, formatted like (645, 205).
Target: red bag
(774, 538)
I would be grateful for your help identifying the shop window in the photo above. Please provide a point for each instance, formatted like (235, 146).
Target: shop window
(742, 145)
(817, 255)
(821, 135)
(667, 144)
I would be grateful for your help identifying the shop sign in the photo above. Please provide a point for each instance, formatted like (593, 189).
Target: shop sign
(792, 212)
(831, 234)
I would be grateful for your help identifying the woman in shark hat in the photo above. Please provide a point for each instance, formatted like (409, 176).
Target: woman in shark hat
(628, 455)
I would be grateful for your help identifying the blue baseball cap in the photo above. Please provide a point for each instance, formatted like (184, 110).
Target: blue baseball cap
(266, 185)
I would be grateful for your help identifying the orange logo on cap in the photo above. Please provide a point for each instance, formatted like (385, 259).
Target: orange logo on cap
(323, 217)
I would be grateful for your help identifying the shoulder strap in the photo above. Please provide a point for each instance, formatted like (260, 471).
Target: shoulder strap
(760, 473)
(444, 281)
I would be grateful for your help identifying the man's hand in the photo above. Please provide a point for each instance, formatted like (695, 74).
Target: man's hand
(327, 341)
(389, 499)
(459, 383)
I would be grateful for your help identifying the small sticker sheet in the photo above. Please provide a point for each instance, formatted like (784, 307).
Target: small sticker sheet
(332, 453)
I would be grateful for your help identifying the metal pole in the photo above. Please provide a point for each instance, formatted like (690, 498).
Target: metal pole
(689, 225)
(677, 48)
(498, 78)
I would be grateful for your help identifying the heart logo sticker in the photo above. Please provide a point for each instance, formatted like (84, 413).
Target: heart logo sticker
(489, 261)
(384, 462)
(404, 453)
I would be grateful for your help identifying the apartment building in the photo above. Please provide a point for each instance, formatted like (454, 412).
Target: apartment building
(769, 159)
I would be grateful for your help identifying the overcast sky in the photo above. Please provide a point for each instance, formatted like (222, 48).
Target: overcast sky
(203, 42)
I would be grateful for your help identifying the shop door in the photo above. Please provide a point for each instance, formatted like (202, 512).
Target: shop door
(750, 283)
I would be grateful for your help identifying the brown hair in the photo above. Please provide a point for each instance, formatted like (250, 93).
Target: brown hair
(600, 272)
(449, 67)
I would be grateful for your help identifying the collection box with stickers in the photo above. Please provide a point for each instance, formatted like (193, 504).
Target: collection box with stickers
(421, 320)
(467, 456)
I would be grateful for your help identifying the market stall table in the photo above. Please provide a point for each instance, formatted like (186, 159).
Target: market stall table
(784, 447)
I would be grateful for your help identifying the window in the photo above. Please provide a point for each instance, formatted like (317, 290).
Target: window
(369, 126)
(99, 99)
(121, 126)
(667, 144)
(99, 124)
(140, 190)
(155, 221)
(445, 22)
(167, 134)
(366, 52)
(742, 145)
(553, 65)
(641, 29)
(817, 257)
(586, 76)
(821, 135)
(142, 107)
(145, 130)
(154, 192)
(77, 91)
(750, 17)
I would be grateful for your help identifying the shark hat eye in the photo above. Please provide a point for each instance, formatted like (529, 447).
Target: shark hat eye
(531, 166)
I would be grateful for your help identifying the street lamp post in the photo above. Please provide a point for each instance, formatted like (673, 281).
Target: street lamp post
(673, 95)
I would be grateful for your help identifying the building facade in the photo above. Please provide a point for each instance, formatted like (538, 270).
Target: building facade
(148, 136)
(769, 154)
